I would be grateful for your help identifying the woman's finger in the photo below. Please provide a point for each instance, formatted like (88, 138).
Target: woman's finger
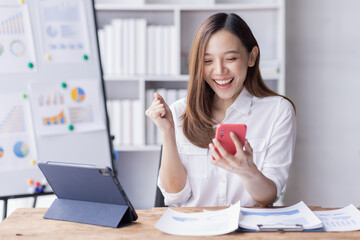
(237, 142)
(158, 96)
(221, 149)
(155, 107)
(248, 148)
(214, 152)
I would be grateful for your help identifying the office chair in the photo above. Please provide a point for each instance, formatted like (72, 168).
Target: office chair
(159, 198)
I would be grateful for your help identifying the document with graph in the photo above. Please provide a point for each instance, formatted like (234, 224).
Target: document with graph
(297, 217)
(339, 220)
(205, 223)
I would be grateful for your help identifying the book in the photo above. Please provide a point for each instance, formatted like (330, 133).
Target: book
(141, 40)
(150, 50)
(171, 96)
(150, 125)
(127, 120)
(109, 50)
(126, 47)
(166, 51)
(174, 55)
(131, 45)
(137, 123)
(159, 50)
(117, 25)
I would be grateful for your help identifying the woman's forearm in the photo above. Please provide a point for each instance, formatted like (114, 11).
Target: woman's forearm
(172, 172)
(261, 189)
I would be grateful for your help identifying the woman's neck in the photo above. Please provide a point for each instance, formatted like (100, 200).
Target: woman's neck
(219, 108)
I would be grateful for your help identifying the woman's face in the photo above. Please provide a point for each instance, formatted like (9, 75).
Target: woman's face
(226, 62)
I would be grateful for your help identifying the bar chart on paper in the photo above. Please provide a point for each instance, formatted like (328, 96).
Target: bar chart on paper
(344, 219)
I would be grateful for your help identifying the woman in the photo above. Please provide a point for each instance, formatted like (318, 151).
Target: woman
(225, 86)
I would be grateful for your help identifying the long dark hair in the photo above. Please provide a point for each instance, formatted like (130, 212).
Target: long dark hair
(197, 118)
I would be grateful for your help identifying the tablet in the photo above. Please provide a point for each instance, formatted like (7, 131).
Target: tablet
(87, 194)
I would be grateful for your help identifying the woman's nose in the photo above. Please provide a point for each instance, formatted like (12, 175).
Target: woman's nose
(219, 68)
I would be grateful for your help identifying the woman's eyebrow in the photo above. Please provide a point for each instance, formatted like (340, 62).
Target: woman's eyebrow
(232, 51)
(227, 52)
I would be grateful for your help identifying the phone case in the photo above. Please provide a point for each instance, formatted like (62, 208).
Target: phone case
(223, 135)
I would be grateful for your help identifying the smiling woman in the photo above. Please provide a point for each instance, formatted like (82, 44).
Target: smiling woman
(225, 67)
(225, 86)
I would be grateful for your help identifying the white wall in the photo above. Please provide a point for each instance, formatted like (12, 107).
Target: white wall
(323, 79)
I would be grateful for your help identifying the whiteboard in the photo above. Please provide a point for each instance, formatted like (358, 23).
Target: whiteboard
(52, 99)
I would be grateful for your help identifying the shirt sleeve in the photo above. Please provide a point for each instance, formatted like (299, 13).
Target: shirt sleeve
(175, 199)
(281, 146)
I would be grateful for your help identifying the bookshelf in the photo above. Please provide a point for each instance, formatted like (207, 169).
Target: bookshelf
(265, 17)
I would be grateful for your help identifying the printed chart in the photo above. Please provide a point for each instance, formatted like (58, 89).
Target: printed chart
(16, 42)
(16, 148)
(63, 107)
(64, 30)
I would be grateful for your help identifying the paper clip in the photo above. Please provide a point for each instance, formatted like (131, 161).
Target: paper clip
(280, 228)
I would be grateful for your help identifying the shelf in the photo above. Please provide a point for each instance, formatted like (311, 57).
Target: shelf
(267, 75)
(265, 17)
(145, 148)
(164, 78)
(185, 7)
(119, 7)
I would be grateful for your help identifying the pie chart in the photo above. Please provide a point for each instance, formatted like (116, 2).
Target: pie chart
(1, 152)
(21, 149)
(78, 94)
(17, 48)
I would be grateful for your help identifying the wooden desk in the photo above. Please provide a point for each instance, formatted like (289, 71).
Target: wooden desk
(28, 223)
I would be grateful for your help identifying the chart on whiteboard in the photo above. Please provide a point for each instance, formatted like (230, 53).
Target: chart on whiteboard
(16, 42)
(69, 106)
(64, 30)
(16, 147)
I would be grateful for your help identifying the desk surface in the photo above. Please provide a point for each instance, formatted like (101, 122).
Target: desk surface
(28, 223)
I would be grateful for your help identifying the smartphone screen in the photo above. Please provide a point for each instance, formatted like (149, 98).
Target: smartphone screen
(223, 135)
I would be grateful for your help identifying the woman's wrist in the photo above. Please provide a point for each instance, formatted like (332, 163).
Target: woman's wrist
(250, 171)
(168, 134)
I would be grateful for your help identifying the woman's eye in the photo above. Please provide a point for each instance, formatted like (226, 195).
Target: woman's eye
(231, 59)
(207, 61)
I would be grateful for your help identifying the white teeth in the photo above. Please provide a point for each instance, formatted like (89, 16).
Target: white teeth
(222, 82)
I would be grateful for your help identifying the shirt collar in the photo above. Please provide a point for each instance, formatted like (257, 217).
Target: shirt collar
(242, 102)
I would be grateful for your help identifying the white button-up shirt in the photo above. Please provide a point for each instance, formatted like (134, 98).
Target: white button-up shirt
(271, 131)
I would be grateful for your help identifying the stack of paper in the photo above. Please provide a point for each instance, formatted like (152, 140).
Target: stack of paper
(297, 217)
(205, 223)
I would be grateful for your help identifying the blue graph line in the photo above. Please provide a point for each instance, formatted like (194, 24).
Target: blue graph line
(270, 213)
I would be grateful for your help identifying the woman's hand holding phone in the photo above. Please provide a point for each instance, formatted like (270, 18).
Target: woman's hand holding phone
(239, 162)
(160, 114)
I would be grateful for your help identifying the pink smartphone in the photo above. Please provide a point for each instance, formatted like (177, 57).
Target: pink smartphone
(223, 135)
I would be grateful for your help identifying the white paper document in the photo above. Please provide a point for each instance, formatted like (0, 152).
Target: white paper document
(206, 223)
(281, 218)
(344, 219)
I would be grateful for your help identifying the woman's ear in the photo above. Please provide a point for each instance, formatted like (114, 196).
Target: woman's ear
(252, 56)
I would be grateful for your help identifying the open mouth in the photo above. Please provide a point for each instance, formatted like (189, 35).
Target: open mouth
(223, 82)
